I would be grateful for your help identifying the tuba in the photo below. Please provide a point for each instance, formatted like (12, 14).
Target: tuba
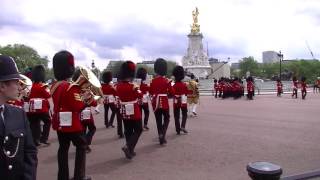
(88, 82)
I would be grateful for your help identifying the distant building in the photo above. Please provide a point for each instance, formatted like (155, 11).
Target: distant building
(147, 63)
(235, 66)
(219, 69)
(270, 57)
(112, 64)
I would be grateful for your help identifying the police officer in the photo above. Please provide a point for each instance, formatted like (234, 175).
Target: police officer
(68, 105)
(18, 154)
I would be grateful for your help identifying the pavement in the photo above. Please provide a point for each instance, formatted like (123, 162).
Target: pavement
(224, 137)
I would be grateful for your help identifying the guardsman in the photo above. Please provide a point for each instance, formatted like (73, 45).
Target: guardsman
(39, 107)
(87, 117)
(68, 105)
(215, 88)
(250, 88)
(117, 105)
(18, 154)
(236, 88)
(160, 88)
(144, 88)
(303, 87)
(279, 87)
(129, 94)
(193, 98)
(180, 99)
(295, 84)
(109, 93)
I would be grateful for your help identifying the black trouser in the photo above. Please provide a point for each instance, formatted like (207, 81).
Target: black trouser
(145, 108)
(250, 95)
(304, 93)
(35, 127)
(216, 94)
(132, 132)
(119, 122)
(176, 112)
(162, 123)
(78, 139)
(295, 93)
(89, 130)
(106, 117)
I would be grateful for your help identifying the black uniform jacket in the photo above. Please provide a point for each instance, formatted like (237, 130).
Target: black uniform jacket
(18, 154)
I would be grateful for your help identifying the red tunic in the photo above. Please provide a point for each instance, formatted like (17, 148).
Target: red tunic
(279, 86)
(250, 86)
(129, 94)
(144, 88)
(66, 98)
(236, 87)
(39, 92)
(303, 86)
(180, 90)
(215, 87)
(109, 92)
(295, 84)
(160, 88)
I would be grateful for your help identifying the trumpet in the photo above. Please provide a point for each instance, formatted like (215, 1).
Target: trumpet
(89, 84)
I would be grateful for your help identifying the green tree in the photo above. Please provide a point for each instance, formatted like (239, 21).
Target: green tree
(249, 64)
(24, 56)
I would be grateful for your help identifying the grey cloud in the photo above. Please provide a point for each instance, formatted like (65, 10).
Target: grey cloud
(311, 12)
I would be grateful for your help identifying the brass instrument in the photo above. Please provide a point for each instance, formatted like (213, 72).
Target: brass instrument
(89, 82)
(25, 85)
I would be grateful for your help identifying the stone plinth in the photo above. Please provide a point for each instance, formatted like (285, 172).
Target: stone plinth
(196, 59)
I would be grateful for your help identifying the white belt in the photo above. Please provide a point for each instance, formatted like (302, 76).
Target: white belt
(128, 102)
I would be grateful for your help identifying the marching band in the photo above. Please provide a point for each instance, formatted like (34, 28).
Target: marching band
(127, 97)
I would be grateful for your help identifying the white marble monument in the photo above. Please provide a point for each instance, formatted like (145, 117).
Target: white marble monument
(196, 59)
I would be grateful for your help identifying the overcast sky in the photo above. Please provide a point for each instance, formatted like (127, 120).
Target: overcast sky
(146, 29)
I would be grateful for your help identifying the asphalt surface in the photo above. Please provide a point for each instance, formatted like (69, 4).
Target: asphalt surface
(224, 137)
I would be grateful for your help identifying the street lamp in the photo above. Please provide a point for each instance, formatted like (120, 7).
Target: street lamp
(280, 59)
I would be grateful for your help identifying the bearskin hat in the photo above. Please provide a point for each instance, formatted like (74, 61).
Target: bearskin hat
(303, 79)
(38, 74)
(178, 73)
(160, 67)
(192, 76)
(141, 73)
(294, 78)
(278, 79)
(63, 65)
(250, 79)
(76, 74)
(127, 70)
(107, 76)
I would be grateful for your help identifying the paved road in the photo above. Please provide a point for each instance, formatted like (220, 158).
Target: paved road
(226, 135)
